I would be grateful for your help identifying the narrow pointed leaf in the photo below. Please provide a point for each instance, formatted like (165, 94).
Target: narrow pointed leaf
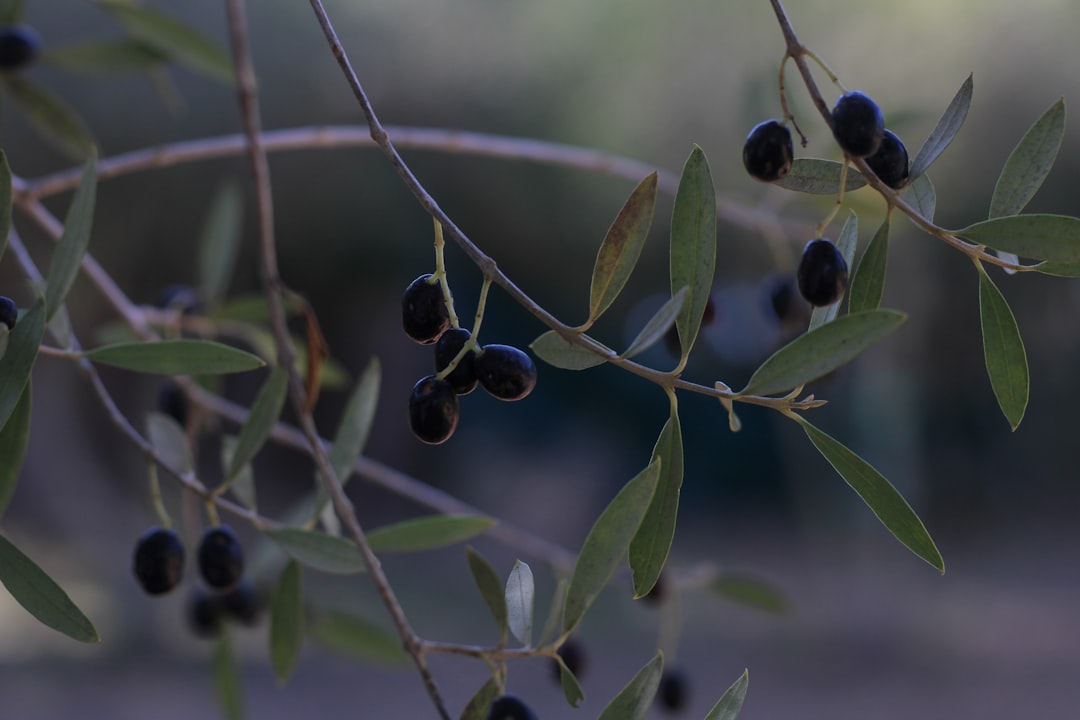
(1003, 348)
(730, 704)
(490, 587)
(170, 441)
(633, 701)
(358, 637)
(319, 551)
(176, 357)
(553, 349)
(868, 284)
(220, 244)
(943, 133)
(920, 194)
(1060, 269)
(356, 422)
(607, 543)
(658, 325)
(41, 596)
(520, 599)
(1029, 163)
(878, 493)
(555, 612)
(427, 533)
(51, 118)
(821, 351)
(846, 242)
(571, 688)
(243, 483)
(265, 411)
(106, 57)
(751, 591)
(286, 622)
(693, 244)
(819, 177)
(227, 682)
(652, 541)
(69, 252)
(176, 39)
(480, 703)
(1036, 236)
(18, 360)
(621, 248)
(5, 202)
(14, 436)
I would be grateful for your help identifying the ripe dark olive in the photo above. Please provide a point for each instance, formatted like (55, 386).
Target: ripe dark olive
(673, 691)
(574, 657)
(423, 310)
(179, 297)
(510, 707)
(242, 603)
(19, 46)
(9, 313)
(206, 614)
(221, 558)
(768, 151)
(172, 401)
(823, 273)
(890, 162)
(858, 124)
(505, 372)
(433, 410)
(463, 377)
(159, 561)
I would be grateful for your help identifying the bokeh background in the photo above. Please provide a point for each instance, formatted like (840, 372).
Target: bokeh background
(872, 632)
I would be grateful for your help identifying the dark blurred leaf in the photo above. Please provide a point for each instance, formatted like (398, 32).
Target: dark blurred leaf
(328, 553)
(480, 703)
(22, 348)
(633, 701)
(750, 590)
(868, 283)
(357, 636)
(555, 612)
(554, 350)
(658, 324)
(1029, 163)
(607, 543)
(68, 255)
(490, 587)
(920, 194)
(356, 422)
(1006, 359)
(286, 622)
(943, 133)
(571, 688)
(846, 242)
(693, 244)
(520, 599)
(170, 442)
(12, 11)
(652, 541)
(51, 118)
(243, 484)
(730, 704)
(13, 438)
(41, 596)
(220, 243)
(5, 202)
(819, 177)
(1036, 236)
(176, 357)
(227, 681)
(821, 351)
(427, 533)
(264, 414)
(106, 57)
(878, 493)
(621, 248)
(180, 41)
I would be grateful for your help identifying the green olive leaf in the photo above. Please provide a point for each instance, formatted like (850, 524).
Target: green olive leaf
(730, 704)
(570, 686)
(868, 283)
(520, 599)
(943, 133)
(553, 349)
(427, 533)
(652, 541)
(658, 324)
(264, 414)
(480, 703)
(693, 245)
(18, 360)
(819, 177)
(176, 357)
(74, 240)
(106, 57)
(51, 118)
(170, 442)
(227, 681)
(357, 636)
(286, 622)
(1029, 163)
(14, 436)
(319, 551)
(219, 244)
(920, 194)
(634, 700)
(1036, 236)
(750, 590)
(1003, 348)
(490, 587)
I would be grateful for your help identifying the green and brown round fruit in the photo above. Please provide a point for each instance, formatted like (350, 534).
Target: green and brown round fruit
(221, 558)
(159, 561)
(858, 124)
(433, 410)
(890, 162)
(463, 377)
(424, 316)
(768, 151)
(505, 372)
(822, 274)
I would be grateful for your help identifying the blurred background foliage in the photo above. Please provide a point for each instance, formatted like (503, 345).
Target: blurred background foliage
(646, 80)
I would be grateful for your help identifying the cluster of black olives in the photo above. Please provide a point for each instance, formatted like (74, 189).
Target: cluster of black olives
(19, 46)
(504, 371)
(859, 129)
(159, 568)
(9, 312)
